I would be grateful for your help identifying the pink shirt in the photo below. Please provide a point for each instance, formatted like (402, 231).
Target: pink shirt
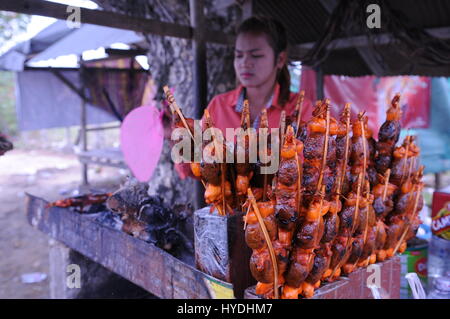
(225, 114)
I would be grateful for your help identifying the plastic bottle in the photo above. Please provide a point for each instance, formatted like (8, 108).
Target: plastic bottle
(438, 259)
(441, 289)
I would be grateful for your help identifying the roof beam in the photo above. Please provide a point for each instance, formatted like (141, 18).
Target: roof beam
(113, 20)
(362, 41)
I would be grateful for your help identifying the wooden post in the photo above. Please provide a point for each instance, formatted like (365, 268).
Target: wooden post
(83, 124)
(94, 281)
(319, 83)
(200, 85)
(247, 9)
(437, 180)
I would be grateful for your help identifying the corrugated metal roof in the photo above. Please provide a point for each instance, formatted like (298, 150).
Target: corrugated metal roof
(305, 21)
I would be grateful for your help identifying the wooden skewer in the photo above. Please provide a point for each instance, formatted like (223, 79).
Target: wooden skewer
(299, 109)
(358, 195)
(347, 145)
(245, 116)
(222, 210)
(246, 214)
(353, 226)
(407, 224)
(413, 161)
(363, 132)
(222, 177)
(386, 183)
(325, 151)
(366, 226)
(299, 184)
(269, 242)
(282, 128)
(174, 107)
(407, 139)
(264, 124)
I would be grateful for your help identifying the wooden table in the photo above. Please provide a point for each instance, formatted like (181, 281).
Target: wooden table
(111, 259)
(139, 262)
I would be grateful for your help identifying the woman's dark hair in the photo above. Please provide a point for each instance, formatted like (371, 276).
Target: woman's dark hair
(277, 38)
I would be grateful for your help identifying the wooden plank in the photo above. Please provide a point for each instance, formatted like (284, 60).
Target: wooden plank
(363, 41)
(111, 19)
(137, 261)
(70, 85)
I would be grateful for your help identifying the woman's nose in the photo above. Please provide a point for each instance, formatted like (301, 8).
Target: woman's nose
(247, 61)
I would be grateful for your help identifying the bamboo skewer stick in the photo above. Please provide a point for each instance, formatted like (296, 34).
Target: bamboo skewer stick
(407, 139)
(299, 109)
(299, 184)
(246, 214)
(325, 152)
(265, 124)
(347, 141)
(347, 147)
(363, 132)
(175, 108)
(366, 226)
(339, 265)
(407, 224)
(282, 127)
(269, 242)
(245, 116)
(386, 176)
(217, 147)
(222, 177)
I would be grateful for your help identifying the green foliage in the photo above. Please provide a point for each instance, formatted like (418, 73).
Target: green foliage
(8, 120)
(11, 24)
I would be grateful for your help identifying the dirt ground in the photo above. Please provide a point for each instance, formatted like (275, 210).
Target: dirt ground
(23, 249)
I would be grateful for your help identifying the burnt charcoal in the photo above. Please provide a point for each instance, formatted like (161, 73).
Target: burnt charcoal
(95, 208)
(127, 200)
(151, 219)
(109, 219)
(168, 228)
(5, 145)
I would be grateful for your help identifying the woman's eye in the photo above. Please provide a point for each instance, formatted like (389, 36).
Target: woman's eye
(257, 56)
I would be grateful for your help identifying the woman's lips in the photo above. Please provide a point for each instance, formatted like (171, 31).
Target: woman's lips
(246, 75)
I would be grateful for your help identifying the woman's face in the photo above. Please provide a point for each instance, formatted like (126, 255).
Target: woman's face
(254, 60)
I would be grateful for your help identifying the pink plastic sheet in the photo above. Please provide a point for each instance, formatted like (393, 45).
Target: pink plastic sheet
(373, 95)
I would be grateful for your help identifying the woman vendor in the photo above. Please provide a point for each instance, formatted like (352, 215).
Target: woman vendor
(260, 63)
